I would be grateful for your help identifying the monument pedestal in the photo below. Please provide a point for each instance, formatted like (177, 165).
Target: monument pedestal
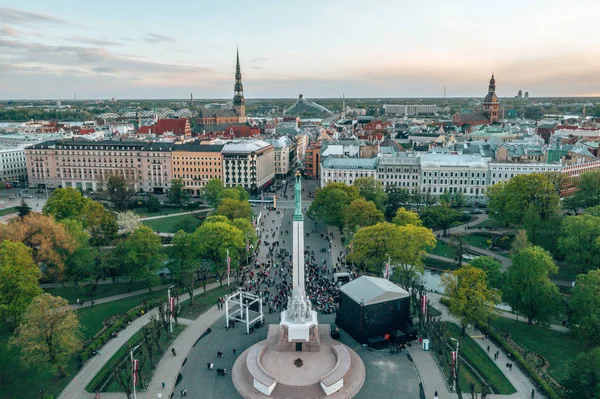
(299, 337)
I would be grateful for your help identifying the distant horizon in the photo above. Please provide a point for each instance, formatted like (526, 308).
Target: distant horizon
(381, 49)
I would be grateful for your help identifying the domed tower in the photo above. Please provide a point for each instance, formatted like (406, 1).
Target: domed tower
(239, 104)
(491, 105)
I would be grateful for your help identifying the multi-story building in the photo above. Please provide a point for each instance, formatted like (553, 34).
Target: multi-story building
(13, 166)
(284, 154)
(347, 170)
(312, 159)
(196, 164)
(410, 109)
(399, 170)
(502, 171)
(250, 164)
(87, 165)
(466, 174)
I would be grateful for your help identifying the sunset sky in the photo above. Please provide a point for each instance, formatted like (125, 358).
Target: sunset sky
(151, 49)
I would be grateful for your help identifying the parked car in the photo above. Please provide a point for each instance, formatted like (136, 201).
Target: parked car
(478, 212)
(27, 196)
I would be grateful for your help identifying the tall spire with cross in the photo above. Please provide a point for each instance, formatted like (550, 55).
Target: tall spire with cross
(238, 90)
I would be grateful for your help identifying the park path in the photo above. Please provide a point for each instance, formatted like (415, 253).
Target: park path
(176, 214)
(113, 298)
(516, 376)
(76, 388)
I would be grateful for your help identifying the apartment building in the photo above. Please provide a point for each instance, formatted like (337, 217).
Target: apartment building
(196, 164)
(399, 170)
(503, 171)
(155, 174)
(410, 109)
(347, 170)
(284, 154)
(13, 165)
(250, 164)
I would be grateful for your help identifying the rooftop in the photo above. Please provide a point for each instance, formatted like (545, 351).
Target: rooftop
(372, 290)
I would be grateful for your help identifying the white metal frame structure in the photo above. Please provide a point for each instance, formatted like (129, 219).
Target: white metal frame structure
(239, 309)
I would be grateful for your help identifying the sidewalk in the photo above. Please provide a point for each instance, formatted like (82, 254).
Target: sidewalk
(168, 368)
(107, 299)
(176, 214)
(430, 374)
(76, 388)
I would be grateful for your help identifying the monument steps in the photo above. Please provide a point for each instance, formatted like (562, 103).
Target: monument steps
(283, 391)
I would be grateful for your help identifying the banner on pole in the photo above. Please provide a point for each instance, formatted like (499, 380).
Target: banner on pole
(387, 271)
(228, 265)
(247, 245)
(454, 364)
(424, 304)
(172, 306)
(135, 371)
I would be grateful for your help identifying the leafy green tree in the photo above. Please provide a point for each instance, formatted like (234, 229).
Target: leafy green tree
(442, 216)
(152, 204)
(81, 263)
(23, 208)
(100, 223)
(578, 241)
(48, 333)
(458, 244)
(510, 201)
(585, 307)
(521, 241)
(471, 300)
(361, 213)
(211, 191)
(19, 276)
(404, 217)
(177, 194)
(397, 197)
(583, 379)
(330, 203)
(587, 193)
(492, 269)
(120, 191)
(65, 203)
(529, 290)
(233, 209)
(413, 242)
(237, 193)
(371, 189)
(184, 260)
(142, 255)
(215, 239)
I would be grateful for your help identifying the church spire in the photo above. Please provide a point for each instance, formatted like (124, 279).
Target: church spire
(492, 87)
(238, 90)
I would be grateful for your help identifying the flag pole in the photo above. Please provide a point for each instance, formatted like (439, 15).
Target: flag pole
(228, 267)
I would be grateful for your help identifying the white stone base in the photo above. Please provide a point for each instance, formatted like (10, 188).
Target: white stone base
(299, 332)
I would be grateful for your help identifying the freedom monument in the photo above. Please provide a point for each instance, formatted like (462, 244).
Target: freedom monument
(299, 359)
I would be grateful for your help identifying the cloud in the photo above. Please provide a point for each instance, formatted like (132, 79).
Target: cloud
(6, 30)
(259, 59)
(93, 41)
(158, 38)
(20, 17)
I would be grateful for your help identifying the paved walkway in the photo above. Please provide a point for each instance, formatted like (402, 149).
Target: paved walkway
(113, 298)
(175, 214)
(430, 374)
(517, 377)
(76, 388)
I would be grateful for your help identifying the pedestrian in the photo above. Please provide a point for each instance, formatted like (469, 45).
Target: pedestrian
(488, 348)
(163, 384)
(181, 392)
(208, 366)
(435, 395)
(532, 393)
(233, 351)
(173, 351)
(78, 301)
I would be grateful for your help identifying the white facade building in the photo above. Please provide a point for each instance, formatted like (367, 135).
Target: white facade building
(399, 170)
(13, 166)
(466, 174)
(410, 109)
(283, 147)
(347, 170)
(249, 163)
(503, 171)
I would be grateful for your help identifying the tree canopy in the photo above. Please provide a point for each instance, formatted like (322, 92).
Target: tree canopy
(585, 307)
(234, 209)
(442, 216)
(528, 289)
(492, 269)
(65, 203)
(583, 379)
(404, 217)
(211, 191)
(177, 193)
(330, 203)
(371, 189)
(215, 239)
(19, 277)
(142, 254)
(120, 191)
(579, 241)
(361, 213)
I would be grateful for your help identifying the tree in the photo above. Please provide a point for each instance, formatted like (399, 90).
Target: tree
(397, 197)
(248, 232)
(442, 216)
(48, 333)
(142, 255)
(585, 307)
(19, 276)
(177, 193)
(587, 192)
(519, 242)
(457, 242)
(65, 203)
(404, 217)
(100, 223)
(211, 191)
(233, 209)
(528, 289)
(413, 243)
(371, 189)
(492, 269)
(583, 379)
(578, 240)
(215, 239)
(49, 241)
(184, 260)
(152, 204)
(23, 208)
(510, 201)
(237, 193)
(471, 300)
(331, 202)
(361, 213)
(128, 221)
(120, 191)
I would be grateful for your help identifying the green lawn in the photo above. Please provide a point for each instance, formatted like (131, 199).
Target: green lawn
(566, 271)
(143, 212)
(477, 356)
(443, 249)
(487, 223)
(477, 240)
(202, 303)
(555, 346)
(8, 211)
(175, 223)
(81, 291)
(91, 318)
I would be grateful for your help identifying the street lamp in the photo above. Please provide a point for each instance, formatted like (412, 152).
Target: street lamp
(455, 364)
(388, 266)
(171, 308)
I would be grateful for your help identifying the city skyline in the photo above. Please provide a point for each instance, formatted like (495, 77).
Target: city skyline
(140, 50)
